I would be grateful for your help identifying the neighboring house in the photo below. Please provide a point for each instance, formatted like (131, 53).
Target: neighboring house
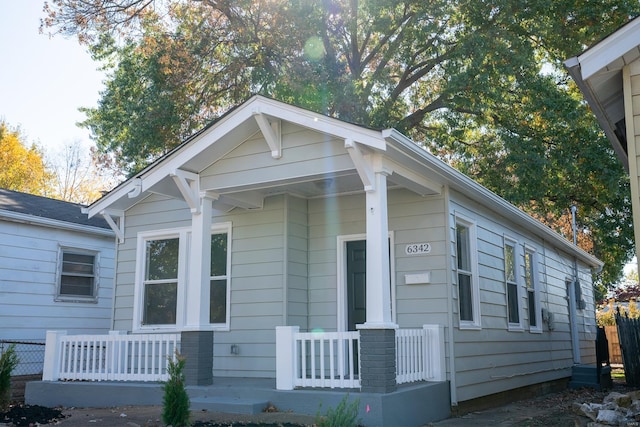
(608, 74)
(56, 272)
(275, 218)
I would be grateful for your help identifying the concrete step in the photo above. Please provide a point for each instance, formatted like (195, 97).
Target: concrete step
(233, 405)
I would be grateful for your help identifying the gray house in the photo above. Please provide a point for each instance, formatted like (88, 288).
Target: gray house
(56, 272)
(320, 257)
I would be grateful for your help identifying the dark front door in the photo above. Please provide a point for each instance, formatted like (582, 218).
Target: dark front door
(356, 283)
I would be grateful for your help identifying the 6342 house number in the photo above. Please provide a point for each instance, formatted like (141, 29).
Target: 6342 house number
(417, 248)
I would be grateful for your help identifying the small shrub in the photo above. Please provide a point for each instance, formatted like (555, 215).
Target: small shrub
(8, 361)
(175, 403)
(345, 415)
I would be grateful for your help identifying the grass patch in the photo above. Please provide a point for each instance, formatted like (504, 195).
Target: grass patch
(617, 374)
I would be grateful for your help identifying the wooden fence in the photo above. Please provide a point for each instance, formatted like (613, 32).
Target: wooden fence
(629, 333)
(615, 355)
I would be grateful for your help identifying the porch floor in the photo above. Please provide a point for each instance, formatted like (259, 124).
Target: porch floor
(410, 405)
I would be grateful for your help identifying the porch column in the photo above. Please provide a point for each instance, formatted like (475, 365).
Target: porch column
(377, 334)
(378, 279)
(198, 287)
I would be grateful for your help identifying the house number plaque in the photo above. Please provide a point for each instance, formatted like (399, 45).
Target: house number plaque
(417, 248)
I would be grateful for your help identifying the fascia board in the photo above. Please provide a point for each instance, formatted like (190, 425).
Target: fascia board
(106, 201)
(321, 123)
(54, 223)
(256, 105)
(475, 191)
(610, 49)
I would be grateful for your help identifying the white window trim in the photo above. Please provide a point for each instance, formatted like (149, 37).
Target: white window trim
(341, 282)
(517, 327)
(138, 296)
(476, 323)
(219, 228)
(536, 289)
(96, 273)
(184, 255)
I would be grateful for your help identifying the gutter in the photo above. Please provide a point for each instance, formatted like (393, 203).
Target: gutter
(54, 223)
(469, 187)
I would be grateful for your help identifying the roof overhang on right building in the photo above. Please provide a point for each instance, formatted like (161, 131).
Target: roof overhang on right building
(598, 72)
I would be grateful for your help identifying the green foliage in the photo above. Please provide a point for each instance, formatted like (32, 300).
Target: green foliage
(175, 402)
(8, 361)
(344, 415)
(608, 317)
(22, 168)
(480, 84)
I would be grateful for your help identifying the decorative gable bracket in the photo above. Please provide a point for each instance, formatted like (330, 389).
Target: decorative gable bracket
(189, 185)
(364, 168)
(272, 133)
(117, 227)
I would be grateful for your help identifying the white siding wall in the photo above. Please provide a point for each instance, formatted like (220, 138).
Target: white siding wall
(494, 359)
(29, 283)
(297, 256)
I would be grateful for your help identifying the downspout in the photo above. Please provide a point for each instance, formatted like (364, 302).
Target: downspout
(115, 283)
(575, 341)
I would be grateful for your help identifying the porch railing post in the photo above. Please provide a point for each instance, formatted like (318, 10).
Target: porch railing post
(285, 356)
(436, 370)
(51, 366)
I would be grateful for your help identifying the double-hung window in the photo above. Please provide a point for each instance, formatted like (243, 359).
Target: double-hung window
(218, 297)
(78, 278)
(161, 281)
(511, 284)
(530, 279)
(468, 287)
(164, 262)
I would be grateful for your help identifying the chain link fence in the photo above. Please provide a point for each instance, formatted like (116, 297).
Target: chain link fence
(30, 361)
(30, 356)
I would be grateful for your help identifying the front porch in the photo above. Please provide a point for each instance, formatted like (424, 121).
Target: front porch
(410, 405)
(311, 368)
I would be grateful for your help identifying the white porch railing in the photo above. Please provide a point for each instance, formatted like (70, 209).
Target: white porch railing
(331, 359)
(113, 357)
(316, 359)
(420, 354)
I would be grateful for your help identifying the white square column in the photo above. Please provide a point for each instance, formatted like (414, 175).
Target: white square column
(198, 281)
(378, 274)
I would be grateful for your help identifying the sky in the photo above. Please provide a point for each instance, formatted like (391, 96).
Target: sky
(43, 80)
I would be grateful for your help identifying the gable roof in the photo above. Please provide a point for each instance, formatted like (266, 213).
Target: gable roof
(411, 167)
(23, 207)
(598, 73)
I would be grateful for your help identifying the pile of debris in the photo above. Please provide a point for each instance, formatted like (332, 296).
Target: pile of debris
(617, 409)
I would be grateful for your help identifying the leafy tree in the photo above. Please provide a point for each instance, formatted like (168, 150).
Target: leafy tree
(480, 83)
(76, 178)
(22, 168)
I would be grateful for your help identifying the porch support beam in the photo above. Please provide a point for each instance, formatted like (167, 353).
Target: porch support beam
(198, 287)
(189, 185)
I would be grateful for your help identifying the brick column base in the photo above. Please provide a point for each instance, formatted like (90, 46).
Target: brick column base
(197, 349)
(378, 360)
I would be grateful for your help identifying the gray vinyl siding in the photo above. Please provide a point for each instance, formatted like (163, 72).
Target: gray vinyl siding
(297, 284)
(328, 219)
(29, 283)
(307, 153)
(494, 358)
(155, 213)
(416, 219)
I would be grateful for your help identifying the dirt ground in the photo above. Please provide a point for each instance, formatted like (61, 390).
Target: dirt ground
(552, 410)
